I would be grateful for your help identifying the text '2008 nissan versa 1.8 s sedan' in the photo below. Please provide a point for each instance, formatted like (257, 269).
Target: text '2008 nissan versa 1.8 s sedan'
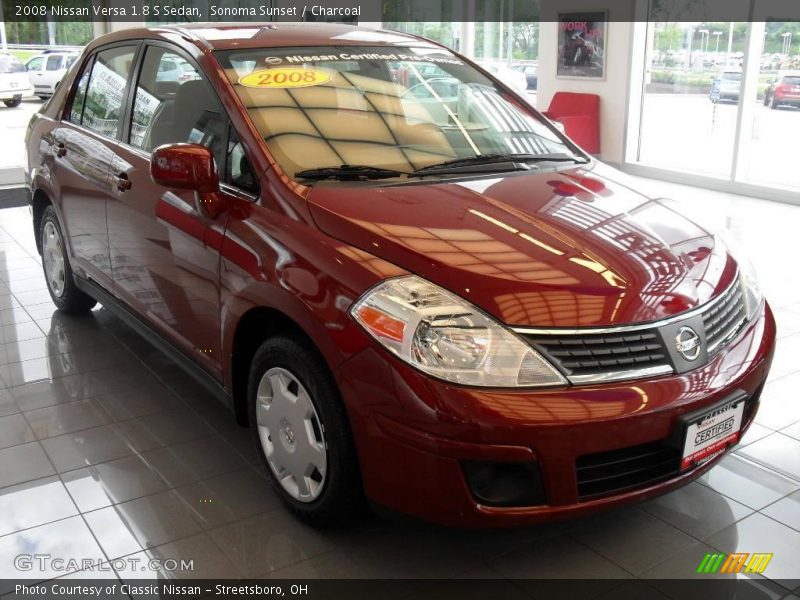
(406, 281)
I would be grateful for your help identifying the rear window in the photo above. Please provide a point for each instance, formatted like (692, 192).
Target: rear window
(11, 64)
(793, 80)
(732, 76)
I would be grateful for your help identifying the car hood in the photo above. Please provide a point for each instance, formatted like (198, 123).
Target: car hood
(562, 249)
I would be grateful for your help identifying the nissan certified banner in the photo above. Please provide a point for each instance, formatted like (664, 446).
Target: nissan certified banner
(375, 11)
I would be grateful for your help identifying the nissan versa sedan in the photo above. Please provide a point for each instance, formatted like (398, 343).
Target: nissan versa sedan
(436, 303)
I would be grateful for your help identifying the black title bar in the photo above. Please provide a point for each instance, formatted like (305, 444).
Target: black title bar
(392, 11)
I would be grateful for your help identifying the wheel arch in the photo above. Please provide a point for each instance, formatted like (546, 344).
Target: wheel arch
(253, 328)
(40, 200)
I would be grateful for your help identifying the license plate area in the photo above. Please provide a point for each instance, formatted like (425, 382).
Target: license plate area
(711, 430)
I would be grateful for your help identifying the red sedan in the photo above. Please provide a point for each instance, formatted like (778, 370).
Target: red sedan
(409, 284)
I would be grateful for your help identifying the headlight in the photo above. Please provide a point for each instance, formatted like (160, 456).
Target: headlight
(750, 289)
(446, 337)
(747, 275)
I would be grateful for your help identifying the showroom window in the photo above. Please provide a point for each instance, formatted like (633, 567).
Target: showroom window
(717, 101)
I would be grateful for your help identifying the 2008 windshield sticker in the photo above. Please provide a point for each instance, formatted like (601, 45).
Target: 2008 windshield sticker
(285, 77)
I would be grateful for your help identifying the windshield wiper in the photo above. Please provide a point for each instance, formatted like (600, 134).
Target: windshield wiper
(349, 173)
(510, 161)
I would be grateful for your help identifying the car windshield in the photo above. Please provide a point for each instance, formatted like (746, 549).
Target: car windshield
(11, 64)
(390, 108)
(732, 76)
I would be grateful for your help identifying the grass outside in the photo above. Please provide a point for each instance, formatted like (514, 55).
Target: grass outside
(25, 55)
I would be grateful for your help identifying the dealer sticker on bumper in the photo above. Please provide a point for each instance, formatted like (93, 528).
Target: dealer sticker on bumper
(709, 435)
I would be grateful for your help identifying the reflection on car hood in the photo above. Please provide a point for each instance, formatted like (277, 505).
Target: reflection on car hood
(562, 249)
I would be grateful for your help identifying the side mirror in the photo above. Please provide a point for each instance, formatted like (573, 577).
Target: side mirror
(188, 167)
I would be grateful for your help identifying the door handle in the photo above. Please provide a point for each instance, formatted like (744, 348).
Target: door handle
(61, 150)
(123, 183)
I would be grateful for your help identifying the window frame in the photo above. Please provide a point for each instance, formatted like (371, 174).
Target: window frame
(66, 115)
(89, 63)
(127, 120)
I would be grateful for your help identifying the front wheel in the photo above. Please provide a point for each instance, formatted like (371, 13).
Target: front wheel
(14, 102)
(57, 270)
(302, 432)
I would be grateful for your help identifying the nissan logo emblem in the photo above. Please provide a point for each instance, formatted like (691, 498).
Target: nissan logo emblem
(687, 343)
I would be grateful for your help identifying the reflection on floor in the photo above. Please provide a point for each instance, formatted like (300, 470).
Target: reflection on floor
(108, 450)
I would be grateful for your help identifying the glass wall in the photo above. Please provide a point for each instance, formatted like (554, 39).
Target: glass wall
(722, 100)
(691, 96)
(774, 131)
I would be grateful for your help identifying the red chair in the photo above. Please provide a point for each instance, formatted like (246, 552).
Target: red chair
(580, 116)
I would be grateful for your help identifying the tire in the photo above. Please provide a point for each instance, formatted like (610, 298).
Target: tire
(774, 104)
(57, 270)
(766, 99)
(324, 431)
(13, 103)
(45, 98)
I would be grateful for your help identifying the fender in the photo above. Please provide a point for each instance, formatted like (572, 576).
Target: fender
(272, 261)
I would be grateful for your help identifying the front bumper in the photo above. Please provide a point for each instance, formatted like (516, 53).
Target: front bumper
(413, 433)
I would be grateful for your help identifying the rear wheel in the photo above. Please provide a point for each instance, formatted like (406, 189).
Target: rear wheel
(57, 271)
(774, 104)
(14, 102)
(302, 432)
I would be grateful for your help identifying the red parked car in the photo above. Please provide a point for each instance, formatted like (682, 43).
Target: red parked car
(438, 303)
(784, 91)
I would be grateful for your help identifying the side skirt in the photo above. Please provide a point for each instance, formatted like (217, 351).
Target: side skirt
(134, 322)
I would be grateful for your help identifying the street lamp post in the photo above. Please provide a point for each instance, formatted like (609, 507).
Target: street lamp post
(717, 35)
(787, 42)
(703, 38)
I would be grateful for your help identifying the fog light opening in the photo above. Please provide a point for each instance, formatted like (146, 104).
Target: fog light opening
(504, 484)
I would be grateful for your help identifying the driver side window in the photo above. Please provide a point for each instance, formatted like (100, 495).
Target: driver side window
(174, 103)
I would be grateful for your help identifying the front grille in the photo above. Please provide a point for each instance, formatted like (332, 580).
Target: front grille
(635, 351)
(584, 356)
(618, 470)
(724, 318)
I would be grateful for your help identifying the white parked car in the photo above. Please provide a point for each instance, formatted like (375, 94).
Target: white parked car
(14, 80)
(47, 70)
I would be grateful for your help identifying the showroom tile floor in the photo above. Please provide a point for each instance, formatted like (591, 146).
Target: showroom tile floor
(107, 450)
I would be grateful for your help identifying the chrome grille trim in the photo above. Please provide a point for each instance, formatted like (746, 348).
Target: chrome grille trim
(610, 376)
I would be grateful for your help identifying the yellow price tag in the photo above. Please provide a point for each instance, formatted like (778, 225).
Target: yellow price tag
(285, 77)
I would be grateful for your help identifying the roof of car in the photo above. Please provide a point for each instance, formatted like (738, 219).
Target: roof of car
(226, 36)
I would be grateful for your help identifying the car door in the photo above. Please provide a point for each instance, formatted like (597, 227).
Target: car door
(164, 247)
(82, 146)
(53, 71)
(35, 68)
